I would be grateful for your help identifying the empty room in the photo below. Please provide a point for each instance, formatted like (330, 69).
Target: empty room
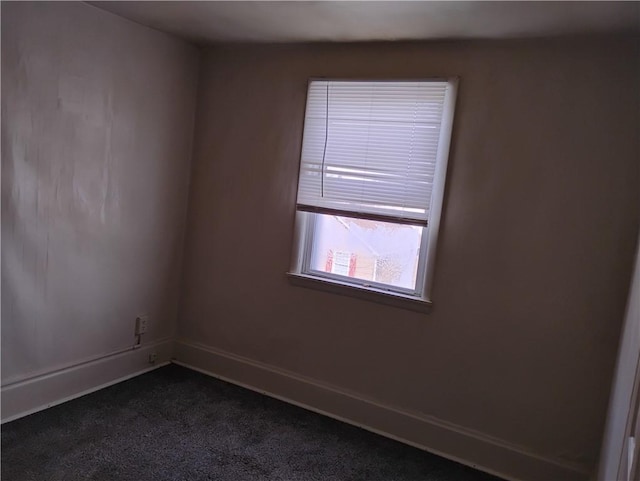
(308, 241)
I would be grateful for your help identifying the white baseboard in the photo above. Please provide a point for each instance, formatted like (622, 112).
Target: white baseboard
(427, 433)
(21, 398)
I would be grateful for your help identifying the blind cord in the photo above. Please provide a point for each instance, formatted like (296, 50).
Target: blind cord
(326, 136)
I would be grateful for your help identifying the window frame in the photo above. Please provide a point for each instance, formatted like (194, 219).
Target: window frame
(418, 299)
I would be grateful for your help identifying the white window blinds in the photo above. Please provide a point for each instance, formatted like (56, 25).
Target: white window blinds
(370, 148)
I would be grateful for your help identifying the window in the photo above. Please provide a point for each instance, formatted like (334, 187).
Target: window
(370, 189)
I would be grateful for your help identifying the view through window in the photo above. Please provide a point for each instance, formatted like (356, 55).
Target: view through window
(376, 251)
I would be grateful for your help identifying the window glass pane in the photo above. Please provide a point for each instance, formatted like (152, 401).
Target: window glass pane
(369, 250)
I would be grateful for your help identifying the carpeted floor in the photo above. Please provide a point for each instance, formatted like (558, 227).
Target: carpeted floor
(177, 424)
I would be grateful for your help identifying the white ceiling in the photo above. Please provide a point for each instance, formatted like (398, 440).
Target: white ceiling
(237, 21)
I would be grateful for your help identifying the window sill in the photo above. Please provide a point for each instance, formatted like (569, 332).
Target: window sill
(394, 299)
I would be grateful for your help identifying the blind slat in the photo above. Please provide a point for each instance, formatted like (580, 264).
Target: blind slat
(371, 147)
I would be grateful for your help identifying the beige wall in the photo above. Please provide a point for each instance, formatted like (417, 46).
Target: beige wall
(537, 239)
(97, 122)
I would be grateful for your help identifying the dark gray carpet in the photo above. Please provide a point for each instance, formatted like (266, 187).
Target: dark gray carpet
(177, 424)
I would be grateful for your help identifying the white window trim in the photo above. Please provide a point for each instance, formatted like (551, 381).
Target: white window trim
(419, 300)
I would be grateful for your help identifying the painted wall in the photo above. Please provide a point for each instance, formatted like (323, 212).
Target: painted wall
(536, 245)
(97, 127)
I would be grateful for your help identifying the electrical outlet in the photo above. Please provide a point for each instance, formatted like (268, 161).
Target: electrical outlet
(141, 324)
(153, 357)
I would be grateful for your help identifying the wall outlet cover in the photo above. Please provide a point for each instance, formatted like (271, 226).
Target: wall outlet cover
(142, 323)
